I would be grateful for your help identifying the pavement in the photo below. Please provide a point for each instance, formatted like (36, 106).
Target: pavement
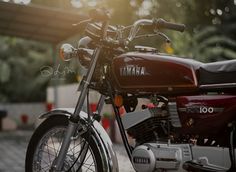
(13, 149)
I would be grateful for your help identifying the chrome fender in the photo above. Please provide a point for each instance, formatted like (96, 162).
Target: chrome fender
(102, 137)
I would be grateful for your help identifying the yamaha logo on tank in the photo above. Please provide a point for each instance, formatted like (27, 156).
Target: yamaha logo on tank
(133, 71)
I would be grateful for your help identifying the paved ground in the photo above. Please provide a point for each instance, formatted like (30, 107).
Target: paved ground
(13, 148)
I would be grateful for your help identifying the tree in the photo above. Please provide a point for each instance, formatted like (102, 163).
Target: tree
(218, 41)
(20, 63)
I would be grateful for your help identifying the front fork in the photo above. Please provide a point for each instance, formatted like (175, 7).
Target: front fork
(74, 119)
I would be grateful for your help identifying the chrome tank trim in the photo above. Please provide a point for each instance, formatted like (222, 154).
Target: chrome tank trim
(101, 135)
(224, 85)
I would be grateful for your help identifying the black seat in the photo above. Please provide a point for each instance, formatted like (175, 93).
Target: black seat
(223, 72)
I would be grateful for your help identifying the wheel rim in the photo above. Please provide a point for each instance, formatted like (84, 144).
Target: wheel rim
(48, 149)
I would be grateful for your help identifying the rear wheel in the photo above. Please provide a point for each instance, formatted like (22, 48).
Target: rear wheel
(45, 144)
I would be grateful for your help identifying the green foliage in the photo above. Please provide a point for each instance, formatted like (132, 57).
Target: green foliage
(20, 61)
(217, 42)
(212, 45)
(4, 71)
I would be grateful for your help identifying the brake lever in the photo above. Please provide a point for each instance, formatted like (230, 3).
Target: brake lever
(167, 39)
(145, 35)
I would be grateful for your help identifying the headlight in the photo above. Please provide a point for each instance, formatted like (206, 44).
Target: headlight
(67, 52)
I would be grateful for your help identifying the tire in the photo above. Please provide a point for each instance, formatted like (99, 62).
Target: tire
(45, 143)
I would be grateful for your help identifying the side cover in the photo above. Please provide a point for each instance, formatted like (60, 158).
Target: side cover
(206, 114)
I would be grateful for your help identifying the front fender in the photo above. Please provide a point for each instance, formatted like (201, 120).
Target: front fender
(101, 136)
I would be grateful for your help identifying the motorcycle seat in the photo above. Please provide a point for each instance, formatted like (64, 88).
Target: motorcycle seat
(223, 72)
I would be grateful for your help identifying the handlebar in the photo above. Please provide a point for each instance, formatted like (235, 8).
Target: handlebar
(136, 25)
(101, 15)
(160, 23)
(156, 24)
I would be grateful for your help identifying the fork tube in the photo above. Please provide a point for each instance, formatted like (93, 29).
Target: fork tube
(64, 147)
(74, 119)
(87, 80)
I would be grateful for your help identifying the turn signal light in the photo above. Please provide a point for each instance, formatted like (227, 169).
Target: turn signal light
(118, 100)
(67, 52)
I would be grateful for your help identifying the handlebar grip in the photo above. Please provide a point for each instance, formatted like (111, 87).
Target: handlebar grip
(160, 23)
(99, 15)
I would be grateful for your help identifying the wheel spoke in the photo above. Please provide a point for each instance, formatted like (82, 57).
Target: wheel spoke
(54, 146)
(49, 148)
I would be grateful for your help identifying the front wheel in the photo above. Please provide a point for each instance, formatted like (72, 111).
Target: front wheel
(45, 144)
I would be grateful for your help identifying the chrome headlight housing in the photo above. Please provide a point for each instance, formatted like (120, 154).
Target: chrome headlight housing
(83, 53)
(85, 56)
(86, 46)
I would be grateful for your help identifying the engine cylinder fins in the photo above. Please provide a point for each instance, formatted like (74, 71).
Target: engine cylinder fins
(147, 131)
(146, 124)
(131, 119)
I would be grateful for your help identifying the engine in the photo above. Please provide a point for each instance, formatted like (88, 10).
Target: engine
(150, 128)
(151, 124)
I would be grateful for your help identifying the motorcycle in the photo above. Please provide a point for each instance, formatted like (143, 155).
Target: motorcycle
(191, 125)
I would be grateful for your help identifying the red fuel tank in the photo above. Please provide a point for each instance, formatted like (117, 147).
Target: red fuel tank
(153, 72)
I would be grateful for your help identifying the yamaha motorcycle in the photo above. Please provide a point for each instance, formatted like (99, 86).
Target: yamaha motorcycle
(190, 125)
